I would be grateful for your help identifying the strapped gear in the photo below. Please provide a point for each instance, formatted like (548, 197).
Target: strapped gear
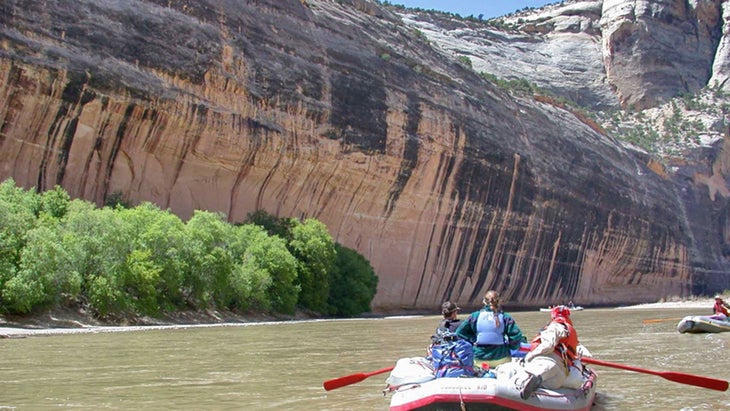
(453, 359)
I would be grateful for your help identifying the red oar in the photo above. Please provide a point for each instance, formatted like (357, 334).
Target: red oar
(697, 380)
(660, 320)
(351, 379)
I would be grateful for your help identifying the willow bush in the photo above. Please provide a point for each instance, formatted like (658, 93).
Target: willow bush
(117, 261)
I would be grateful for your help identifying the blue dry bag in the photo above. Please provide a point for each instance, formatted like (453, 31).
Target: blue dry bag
(453, 359)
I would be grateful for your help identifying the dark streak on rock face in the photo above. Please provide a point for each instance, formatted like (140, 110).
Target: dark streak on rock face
(410, 153)
(359, 111)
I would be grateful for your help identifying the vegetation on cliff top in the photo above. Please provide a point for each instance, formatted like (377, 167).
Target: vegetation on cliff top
(118, 262)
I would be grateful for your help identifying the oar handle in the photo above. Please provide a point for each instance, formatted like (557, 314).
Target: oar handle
(589, 360)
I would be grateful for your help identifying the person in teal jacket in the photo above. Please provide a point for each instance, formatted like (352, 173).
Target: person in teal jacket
(492, 331)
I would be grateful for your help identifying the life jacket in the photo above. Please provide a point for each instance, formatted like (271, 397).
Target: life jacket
(453, 359)
(490, 328)
(567, 348)
(719, 308)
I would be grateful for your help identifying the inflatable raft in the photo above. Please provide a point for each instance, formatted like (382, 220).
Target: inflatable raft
(415, 388)
(703, 324)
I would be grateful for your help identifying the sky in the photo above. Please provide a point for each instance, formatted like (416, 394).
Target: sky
(465, 8)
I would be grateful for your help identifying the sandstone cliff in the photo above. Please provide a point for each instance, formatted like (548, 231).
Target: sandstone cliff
(341, 111)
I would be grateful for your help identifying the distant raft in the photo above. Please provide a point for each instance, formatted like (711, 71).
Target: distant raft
(703, 324)
(548, 309)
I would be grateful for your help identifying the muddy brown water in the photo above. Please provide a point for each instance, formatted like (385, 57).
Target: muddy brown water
(281, 366)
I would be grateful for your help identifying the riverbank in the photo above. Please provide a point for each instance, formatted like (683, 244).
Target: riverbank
(77, 322)
(69, 321)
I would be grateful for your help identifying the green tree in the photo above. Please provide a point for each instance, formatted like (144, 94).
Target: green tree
(313, 246)
(129, 261)
(18, 215)
(353, 283)
(206, 279)
(101, 244)
(46, 274)
(274, 225)
(27, 200)
(159, 235)
(105, 296)
(139, 280)
(55, 202)
(271, 255)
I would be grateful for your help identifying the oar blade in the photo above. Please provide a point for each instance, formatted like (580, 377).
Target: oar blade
(343, 381)
(696, 380)
(690, 379)
(352, 379)
(660, 320)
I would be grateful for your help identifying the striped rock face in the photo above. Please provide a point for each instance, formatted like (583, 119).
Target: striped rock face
(449, 185)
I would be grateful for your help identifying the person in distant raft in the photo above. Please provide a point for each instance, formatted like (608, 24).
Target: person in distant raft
(554, 358)
(721, 307)
(448, 325)
(492, 331)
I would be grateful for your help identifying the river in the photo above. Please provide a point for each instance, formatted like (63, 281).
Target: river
(281, 366)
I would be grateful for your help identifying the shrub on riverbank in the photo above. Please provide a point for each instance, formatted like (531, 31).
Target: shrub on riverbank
(121, 262)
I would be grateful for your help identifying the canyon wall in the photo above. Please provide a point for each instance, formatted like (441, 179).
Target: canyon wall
(337, 110)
